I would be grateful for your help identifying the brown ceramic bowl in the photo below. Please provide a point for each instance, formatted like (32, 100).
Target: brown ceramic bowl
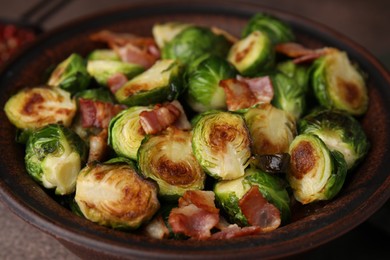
(365, 190)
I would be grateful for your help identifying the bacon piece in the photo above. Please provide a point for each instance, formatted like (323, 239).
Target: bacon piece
(233, 231)
(97, 113)
(98, 146)
(116, 81)
(244, 92)
(196, 214)
(300, 52)
(130, 48)
(163, 116)
(156, 228)
(258, 211)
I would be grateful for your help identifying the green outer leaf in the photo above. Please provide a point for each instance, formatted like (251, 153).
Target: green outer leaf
(318, 82)
(337, 178)
(96, 94)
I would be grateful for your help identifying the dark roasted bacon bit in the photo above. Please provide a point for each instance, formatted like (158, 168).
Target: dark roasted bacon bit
(258, 211)
(131, 48)
(244, 92)
(116, 81)
(299, 52)
(196, 215)
(233, 231)
(163, 116)
(97, 113)
(98, 146)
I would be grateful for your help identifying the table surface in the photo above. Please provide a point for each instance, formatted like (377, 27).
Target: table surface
(365, 22)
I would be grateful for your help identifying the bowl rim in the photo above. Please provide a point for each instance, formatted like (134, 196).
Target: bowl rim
(30, 213)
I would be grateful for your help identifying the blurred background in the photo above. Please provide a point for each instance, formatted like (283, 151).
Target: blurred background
(365, 22)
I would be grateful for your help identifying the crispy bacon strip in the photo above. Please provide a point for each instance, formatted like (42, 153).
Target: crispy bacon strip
(196, 215)
(163, 116)
(98, 146)
(116, 81)
(299, 52)
(233, 231)
(244, 92)
(97, 113)
(130, 48)
(258, 211)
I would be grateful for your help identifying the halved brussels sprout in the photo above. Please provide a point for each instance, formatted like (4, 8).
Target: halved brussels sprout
(276, 30)
(54, 155)
(162, 82)
(165, 32)
(193, 42)
(102, 70)
(168, 159)
(338, 84)
(113, 194)
(288, 95)
(103, 54)
(125, 132)
(204, 92)
(316, 173)
(253, 55)
(221, 144)
(339, 131)
(70, 75)
(36, 107)
(229, 193)
(272, 130)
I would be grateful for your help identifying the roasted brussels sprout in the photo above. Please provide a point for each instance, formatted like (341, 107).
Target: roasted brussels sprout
(273, 188)
(338, 84)
(193, 42)
(113, 194)
(162, 82)
(316, 173)
(221, 144)
(36, 107)
(253, 55)
(54, 155)
(125, 132)
(102, 70)
(275, 29)
(288, 95)
(168, 159)
(272, 130)
(103, 54)
(70, 75)
(296, 71)
(204, 92)
(339, 131)
(165, 32)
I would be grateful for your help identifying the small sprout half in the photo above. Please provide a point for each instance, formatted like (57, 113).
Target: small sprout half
(315, 172)
(253, 55)
(162, 82)
(338, 84)
(339, 131)
(277, 30)
(70, 75)
(102, 70)
(221, 144)
(168, 159)
(36, 107)
(204, 92)
(272, 130)
(229, 193)
(54, 155)
(113, 194)
(125, 132)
